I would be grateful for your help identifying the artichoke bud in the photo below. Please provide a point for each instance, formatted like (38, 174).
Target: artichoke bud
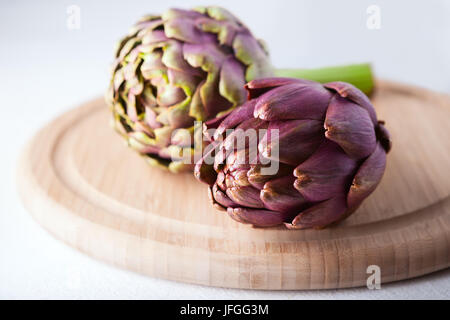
(324, 143)
(178, 67)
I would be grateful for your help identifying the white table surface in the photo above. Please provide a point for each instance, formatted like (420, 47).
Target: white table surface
(46, 69)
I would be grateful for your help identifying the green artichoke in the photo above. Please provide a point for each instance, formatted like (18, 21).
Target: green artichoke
(178, 68)
(330, 154)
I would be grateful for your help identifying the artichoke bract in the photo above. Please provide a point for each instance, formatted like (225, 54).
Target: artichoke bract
(177, 68)
(330, 153)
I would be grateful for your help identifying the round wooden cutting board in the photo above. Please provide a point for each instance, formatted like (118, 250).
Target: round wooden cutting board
(81, 183)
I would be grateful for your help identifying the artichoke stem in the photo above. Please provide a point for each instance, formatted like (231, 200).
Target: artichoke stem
(360, 75)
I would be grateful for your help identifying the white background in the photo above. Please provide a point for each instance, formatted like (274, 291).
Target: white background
(45, 69)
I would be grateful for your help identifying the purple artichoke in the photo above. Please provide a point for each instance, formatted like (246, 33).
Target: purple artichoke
(174, 69)
(330, 153)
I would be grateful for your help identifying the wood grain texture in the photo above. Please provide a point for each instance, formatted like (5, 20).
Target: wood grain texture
(81, 183)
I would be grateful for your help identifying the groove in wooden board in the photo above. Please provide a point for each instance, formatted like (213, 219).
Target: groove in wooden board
(82, 184)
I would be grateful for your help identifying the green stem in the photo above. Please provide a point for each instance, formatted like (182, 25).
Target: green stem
(360, 75)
